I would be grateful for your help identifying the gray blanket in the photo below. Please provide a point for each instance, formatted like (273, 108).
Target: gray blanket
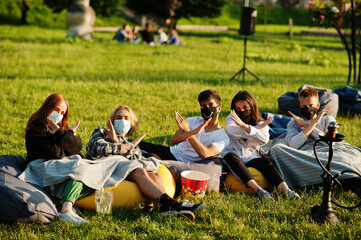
(299, 166)
(103, 173)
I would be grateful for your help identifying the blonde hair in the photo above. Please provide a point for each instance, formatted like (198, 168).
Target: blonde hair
(133, 118)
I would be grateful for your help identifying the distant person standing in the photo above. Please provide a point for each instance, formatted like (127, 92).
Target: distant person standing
(124, 34)
(162, 36)
(173, 37)
(147, 34)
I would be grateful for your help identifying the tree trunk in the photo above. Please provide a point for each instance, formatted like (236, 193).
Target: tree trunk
(344, 40)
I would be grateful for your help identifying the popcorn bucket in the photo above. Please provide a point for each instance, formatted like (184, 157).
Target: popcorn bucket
(194, 183)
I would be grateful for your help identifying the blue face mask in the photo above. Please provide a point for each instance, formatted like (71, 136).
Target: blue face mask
(121, 126)
(56, 117)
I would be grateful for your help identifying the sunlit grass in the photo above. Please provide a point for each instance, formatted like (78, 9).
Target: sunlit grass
(156, 81)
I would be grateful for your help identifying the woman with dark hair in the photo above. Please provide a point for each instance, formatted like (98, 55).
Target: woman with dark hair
(248, 131)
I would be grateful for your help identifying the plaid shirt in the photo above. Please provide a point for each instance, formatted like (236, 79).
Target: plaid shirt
(100, 146)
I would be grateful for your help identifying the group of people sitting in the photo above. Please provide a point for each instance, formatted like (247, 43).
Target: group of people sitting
(134, 35)
(198, 140)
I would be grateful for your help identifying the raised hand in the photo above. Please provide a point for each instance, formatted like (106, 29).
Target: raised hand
(52, 126)
(130, 145)
(265, 123)
(237, 120)
(75, 126)
(111, 134)
(182, 124)
(323, 112)
(298, 120)
(201, 127)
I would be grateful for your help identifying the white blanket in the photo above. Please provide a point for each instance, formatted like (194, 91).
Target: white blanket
(102, 173)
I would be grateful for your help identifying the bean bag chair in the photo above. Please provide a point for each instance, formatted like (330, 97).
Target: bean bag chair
(232, 183)
(349, 99)
(289, 101)
(19, 200)
(127, 194)
(279, 124)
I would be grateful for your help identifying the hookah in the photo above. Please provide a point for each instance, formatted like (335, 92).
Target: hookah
(324, 212)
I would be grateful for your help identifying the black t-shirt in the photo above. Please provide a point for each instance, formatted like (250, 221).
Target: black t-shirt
(147, 36)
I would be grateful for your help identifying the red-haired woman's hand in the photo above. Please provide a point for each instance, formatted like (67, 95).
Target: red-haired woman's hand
(52, 126)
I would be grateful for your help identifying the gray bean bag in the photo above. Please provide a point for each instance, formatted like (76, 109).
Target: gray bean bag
(21, 201)
(289, 101)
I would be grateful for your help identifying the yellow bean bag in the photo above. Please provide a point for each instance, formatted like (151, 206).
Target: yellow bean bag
(232, 183)
(127, 194)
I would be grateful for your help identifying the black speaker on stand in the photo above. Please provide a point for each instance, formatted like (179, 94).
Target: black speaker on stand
(248, 25)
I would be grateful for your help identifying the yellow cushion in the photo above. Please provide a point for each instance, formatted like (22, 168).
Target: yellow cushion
(127, 194)
(232, 183)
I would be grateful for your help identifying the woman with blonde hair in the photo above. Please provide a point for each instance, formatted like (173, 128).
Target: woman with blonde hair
(104, 142)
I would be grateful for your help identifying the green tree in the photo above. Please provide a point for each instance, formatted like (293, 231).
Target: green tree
(101, 7)
(176, 9)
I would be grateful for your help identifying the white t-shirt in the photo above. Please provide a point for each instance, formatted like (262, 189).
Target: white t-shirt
(184, 151)
(245, 145)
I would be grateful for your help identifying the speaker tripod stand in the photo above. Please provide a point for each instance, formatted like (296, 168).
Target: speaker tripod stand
(244, 69)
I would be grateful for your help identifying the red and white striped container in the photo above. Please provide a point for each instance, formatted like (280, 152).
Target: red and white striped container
(194, 183)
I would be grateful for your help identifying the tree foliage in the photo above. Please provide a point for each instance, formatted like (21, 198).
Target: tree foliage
(181, 8)
(101, 7)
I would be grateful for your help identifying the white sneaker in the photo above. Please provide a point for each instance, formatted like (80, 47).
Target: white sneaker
(72, 217)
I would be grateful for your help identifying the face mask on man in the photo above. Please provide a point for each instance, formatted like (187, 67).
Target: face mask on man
(56, 117)
(243, 115)
(121, 126)
(209, 112)
(308, 112)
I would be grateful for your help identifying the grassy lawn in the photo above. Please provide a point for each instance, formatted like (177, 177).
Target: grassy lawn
(155, 81)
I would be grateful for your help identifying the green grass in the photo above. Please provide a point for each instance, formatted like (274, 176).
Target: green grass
(155, 81)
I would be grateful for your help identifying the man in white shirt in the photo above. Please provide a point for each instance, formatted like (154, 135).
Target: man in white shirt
(198, 138)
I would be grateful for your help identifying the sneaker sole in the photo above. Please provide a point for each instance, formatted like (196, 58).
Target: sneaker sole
(187, 215)
(199, 209)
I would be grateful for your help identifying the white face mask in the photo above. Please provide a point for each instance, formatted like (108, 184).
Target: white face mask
(121, 126)
(56, 117)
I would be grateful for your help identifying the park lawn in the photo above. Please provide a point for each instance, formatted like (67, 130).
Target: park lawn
(155, 81)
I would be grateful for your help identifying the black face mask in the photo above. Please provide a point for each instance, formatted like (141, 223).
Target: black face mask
(308, 112)
(209, 112)
(243, 115)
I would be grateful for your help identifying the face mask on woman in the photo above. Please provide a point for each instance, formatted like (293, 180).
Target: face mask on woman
(56, 117)
(243, 115)
(208, 112)
(121, 126)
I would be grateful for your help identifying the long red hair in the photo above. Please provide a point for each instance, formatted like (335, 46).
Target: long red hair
(39, 117)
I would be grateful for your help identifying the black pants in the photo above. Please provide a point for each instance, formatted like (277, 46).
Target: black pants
(264, 165)
(155, 150)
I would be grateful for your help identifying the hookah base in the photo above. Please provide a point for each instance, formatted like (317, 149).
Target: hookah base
(322, 215)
